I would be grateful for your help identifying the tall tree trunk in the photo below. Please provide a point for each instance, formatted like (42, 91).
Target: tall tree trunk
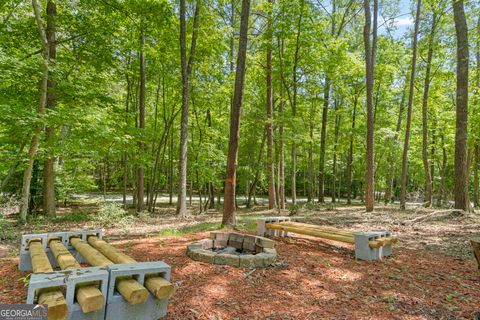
(403, 192)
(441, 196)
(428, 177)
(370, 53)
(350, 153)
(281, 162)
(27, 174)
(141, 122)
(251, 189)
(269, 126)
(461, 178)
(186, 72)
(294, 104)
(334, 169)
(475, 178)
(170, 169)
(310, 175)
(48, 164)
(229, 208)
(476, 195)
(323, 134)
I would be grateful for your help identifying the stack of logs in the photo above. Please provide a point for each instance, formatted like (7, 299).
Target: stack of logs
(97, 253)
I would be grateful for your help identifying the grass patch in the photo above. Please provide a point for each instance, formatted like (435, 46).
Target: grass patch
(201, 227)
(77, 216)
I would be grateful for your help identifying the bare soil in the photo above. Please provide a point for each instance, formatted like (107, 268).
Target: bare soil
(432, 274)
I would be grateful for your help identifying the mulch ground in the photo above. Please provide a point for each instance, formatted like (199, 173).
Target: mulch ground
(312, 279)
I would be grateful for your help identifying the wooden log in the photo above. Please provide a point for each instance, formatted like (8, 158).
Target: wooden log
(128, 287)
(158, 286)
(89, 297)
(333, 234)
(476, 250)
(319, 228)
(311, 232)
(382, 242)
(53, 297)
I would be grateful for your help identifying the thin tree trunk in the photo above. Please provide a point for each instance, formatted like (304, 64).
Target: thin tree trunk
(461, 178)
(370, 78)
(170, 169)
(441, 196)
(140, 168)
(269, 126)
(321, 177)
(27, 174)
(49, 163)
(403, 192)
(186, 72)
(281, 165)
(229, 208)
(428, 177)
(475, 178)
(310, 176)
(334, 169)
(253, 186)
(294, 105)
(350, 153)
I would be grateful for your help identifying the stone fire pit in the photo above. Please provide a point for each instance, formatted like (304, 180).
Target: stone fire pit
(234, 249)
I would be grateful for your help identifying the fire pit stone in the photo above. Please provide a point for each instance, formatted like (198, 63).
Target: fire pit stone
(234, 249)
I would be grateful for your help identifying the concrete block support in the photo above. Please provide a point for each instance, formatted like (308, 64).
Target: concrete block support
(115, 306)
(25, 262)
(363, 250)
(119, 309)
(263, 231)
(70, 280)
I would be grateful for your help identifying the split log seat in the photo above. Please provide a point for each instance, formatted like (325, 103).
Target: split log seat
(370, 245)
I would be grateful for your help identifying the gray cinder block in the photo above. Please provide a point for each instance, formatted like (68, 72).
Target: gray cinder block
(118, 308)
(69, 279)
(363, 250)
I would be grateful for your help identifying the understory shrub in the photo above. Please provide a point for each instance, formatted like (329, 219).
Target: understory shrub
(110, 214)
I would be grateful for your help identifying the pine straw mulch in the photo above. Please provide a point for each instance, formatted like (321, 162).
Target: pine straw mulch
(312, 279)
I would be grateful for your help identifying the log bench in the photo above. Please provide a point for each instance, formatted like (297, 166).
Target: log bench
(114, 287)
(370, 245)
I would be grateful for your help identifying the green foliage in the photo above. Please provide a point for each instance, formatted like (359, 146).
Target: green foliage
(76, 216)
(111, 214)
(98, 145)
(6, 229)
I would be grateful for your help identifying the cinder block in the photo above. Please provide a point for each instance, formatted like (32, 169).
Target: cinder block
(362, 248)
(70, 280)
(118, 308)
(263, 231)
(264, 242)
(207, 244)
(265, 259)
(236, 240)
(225, 258)
(25, 264)
(249, 243)
(247, 261)
(220, 243)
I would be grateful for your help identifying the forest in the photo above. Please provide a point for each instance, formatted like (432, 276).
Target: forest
(166, 119)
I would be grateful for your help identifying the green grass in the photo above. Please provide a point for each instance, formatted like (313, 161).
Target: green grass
(77, 216)
(243, 223)
(201, 227)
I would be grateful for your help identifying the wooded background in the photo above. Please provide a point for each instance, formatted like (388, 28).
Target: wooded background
(146, 98)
